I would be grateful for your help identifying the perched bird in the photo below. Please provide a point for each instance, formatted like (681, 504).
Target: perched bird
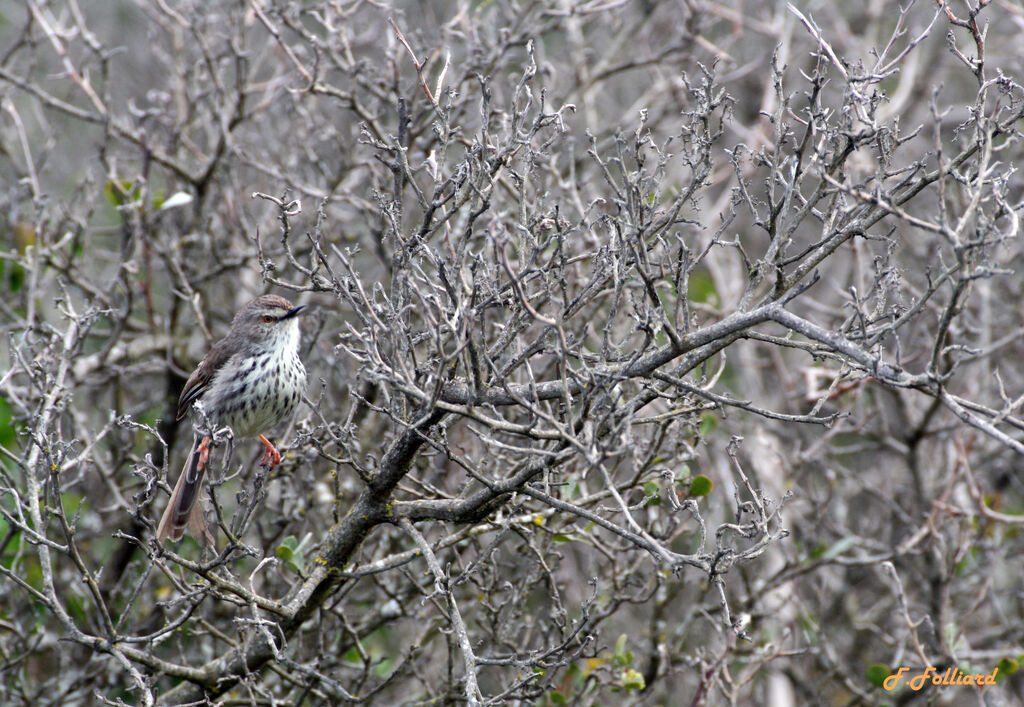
(250, 381)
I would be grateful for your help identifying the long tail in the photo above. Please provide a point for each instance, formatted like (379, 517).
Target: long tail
(182, 510)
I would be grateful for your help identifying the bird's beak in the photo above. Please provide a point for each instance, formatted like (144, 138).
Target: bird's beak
(293, 312)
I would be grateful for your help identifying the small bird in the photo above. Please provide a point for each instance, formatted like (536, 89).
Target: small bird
(251, 380)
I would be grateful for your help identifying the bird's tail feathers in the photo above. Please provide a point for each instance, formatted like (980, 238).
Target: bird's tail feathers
(184, 510)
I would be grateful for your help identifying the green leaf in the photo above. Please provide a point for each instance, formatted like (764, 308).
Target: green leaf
(839, 548)
(8, 427)
(701, 485)
(620, 646)
(1007, 666)
(708, 423)
(290, 552)
(621, 656)
(557, 698)
(15, 277)
(652, 493)
(573, 489)
(952, 635)
(383, 667)
(286, 550)
(633, 680)
(562, 538)
(702, 287)
(877, 674)
(76, 608)
(120, 192)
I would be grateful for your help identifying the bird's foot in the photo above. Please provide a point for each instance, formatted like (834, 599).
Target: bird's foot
(271, 457)
(204, 454)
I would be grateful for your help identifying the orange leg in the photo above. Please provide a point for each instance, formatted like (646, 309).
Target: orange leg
(204, 453)
(272, 457)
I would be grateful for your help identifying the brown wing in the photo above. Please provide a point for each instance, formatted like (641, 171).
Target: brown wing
(200, 379)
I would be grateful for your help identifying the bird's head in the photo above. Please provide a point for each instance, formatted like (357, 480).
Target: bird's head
(270, 320)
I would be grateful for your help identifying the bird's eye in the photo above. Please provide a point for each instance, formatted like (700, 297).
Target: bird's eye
(268, 318)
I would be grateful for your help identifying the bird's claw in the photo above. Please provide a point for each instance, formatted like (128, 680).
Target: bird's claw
(271, 457)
